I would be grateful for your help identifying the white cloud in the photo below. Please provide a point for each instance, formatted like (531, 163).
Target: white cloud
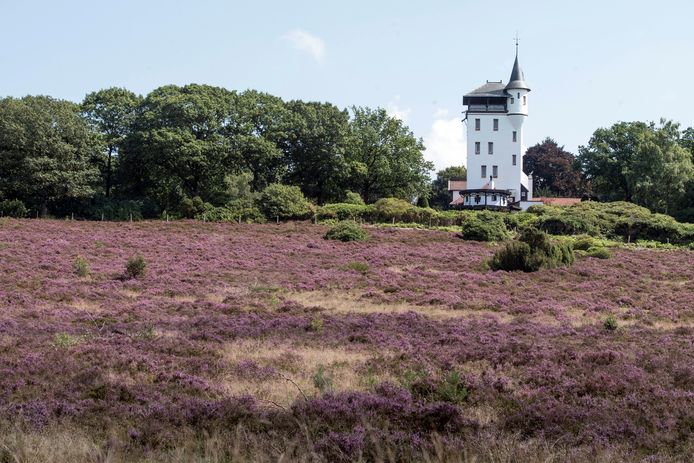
(395, 109)
(302, 40)
(444, 143)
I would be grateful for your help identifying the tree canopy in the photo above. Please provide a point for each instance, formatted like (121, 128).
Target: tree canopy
(440, 196)
(47, 152)
(555, 170)
(638, 162)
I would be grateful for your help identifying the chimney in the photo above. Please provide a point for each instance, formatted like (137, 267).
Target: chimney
(530, 186)
(491, 182)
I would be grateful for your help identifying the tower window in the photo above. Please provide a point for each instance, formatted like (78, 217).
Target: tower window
(496, 125)
(493, 198)
(484, 171)
(512, 100)
(477, 147)
(513, 158)
(495, 171)
(518, 95)
(490, 147)
(515, 136)
(477, 125)
(524, 100)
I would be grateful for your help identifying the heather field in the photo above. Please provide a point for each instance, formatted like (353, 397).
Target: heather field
(267, 343)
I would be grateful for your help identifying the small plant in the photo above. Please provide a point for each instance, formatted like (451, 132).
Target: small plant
(317, 323)
(136, 267)
(81, 267)
(451, 389)
(65, 340)
(361, 267)
(347, 230)
(610, 323)
(323, 380)
(533, 251)
(598, 252)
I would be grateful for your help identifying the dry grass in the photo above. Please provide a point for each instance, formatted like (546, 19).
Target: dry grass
(295, 367)
(73, 445)
(84, 305)
(353, 302)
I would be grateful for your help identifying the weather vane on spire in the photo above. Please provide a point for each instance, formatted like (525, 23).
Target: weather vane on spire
(516, 39)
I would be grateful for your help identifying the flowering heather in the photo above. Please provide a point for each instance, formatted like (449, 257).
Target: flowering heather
(228, 327)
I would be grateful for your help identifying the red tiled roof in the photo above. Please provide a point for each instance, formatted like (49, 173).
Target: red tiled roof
(459, 200)
(558, 201)
(457, 185)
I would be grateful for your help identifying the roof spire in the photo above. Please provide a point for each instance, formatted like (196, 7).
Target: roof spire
(517, 80)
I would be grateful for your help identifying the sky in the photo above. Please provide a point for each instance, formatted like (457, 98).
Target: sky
(589, 64)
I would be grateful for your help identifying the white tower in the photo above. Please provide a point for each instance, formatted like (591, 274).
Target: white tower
(495, 114)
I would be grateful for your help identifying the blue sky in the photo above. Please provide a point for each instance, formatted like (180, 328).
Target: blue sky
(589, 63)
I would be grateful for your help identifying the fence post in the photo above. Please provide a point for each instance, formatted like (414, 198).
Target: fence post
(278, 219)
(239, 219)
(131, 216)
(102, 216)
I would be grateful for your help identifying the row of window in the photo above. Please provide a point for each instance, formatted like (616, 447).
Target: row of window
(495, 125)
(495, 171)
(490, 146)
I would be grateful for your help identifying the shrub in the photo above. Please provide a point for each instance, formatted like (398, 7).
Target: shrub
(317, 323)
(121, 209)
(353, 198)
(81, 266)
(389, 209)
(284, 202)
(323, 380)
(234, 211)
(136, 267)
(13, 208)
(533, 251)
(598, 252)
(610, 323)
(583, 243)
(484, 226)
(343, 211)
(452, 389)
(189, 208)
(513, 256)
(361, 267)
(347, 230)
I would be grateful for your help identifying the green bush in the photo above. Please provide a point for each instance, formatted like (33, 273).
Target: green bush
(513, 256)
(234, 211)
(389, 209)
(136, 267)
(610, 323)
(598, 252)
(13, 208)
(583, 243)
(347, 230)
(534, 250)
(81, 267)
(284, 202)
(189, 208)
(343, 211)
(353, 198)
(484, 226)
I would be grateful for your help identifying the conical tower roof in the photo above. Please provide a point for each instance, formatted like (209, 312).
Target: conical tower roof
(517, 79)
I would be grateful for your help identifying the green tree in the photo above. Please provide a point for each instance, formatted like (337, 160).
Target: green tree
(284, 202)
(111, 113)
(316, 150)
(384, 157)
(638, 162)
(440, 196)
(179, 146)
(258, 130)
(555, 170)
(46, 150)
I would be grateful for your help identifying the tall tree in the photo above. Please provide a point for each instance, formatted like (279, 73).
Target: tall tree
(111, 113)
(555, 170)
(316, 150)
(638, 162)
(440, 196)
(258, 129)
(384, 157)
(178, 146)
(46, 150)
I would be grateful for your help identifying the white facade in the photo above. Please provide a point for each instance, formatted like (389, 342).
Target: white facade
(495, 116)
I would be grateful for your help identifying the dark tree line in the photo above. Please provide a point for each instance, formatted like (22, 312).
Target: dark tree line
(198, 141)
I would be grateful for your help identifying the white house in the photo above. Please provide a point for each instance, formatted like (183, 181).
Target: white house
(495, 115)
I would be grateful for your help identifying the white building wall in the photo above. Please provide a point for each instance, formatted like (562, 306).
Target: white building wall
(509, 176)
